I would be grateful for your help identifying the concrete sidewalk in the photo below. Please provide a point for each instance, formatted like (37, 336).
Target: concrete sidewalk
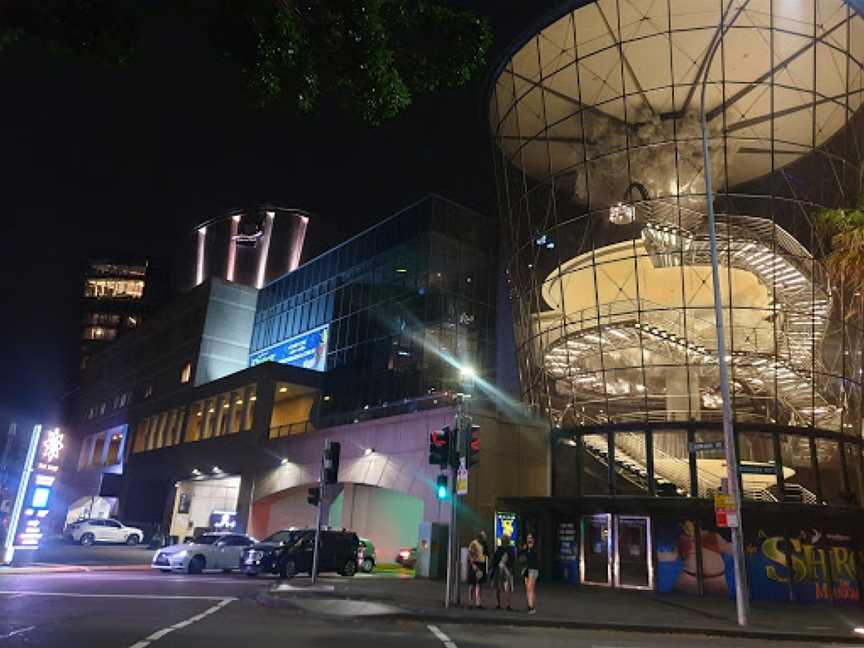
(589, 608)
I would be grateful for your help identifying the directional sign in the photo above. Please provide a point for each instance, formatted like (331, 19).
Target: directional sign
(462, 478)
(706, 445)
(757, 469)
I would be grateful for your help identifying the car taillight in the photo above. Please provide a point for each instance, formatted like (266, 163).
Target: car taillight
(404, 553)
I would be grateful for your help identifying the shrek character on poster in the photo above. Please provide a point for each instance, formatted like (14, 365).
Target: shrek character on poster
(676, 556)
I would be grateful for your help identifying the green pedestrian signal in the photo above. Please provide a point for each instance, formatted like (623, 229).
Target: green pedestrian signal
(441, 487)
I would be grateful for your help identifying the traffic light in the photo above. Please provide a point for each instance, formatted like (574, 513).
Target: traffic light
(441, 487)
(473, 445)
(314, 496)
(331, 462)
(439, 447)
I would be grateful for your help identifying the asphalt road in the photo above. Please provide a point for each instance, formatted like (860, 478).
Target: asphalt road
(142, 609)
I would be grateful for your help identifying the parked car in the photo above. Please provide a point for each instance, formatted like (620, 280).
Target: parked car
(366, 555)
(90, 531)
(289, 552)
(209, 551)
(407, 557)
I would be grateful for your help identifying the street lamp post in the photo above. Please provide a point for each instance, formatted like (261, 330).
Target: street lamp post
(742, 600)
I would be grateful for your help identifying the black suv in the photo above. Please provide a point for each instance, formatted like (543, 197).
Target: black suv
(289, 552)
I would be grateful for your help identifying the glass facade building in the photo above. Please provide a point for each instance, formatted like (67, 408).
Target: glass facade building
(391, 311)
(595, 116)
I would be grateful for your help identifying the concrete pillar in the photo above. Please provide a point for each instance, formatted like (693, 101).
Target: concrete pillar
(245, 497)
(265, 397)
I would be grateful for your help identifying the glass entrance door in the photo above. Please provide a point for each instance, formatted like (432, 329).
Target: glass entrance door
(596, 550)
(633, 552)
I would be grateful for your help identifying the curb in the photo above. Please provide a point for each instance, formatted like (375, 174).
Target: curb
(269, 600)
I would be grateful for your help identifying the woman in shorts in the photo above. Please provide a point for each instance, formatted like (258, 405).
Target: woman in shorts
(531, 571)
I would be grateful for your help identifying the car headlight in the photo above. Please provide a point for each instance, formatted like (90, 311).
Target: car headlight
(255, 555)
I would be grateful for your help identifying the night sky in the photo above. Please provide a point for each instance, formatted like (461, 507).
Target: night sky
(96, 161)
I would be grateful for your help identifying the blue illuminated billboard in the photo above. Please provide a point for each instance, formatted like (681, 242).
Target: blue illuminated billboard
(307, 350)
(40, 497)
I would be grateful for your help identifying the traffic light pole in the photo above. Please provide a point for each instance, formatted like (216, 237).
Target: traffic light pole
(459, 446)
(321, 486)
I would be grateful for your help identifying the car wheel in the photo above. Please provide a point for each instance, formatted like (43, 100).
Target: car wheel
(350, 568)
(252, 574)
(288, 569)
(367, 565)
(165, 571)
(133, 539)
(196, 565)
(227, 571)
(87, 539)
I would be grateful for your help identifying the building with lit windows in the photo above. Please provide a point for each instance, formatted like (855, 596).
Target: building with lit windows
(114, 303)
(595, 119)
(231, 391)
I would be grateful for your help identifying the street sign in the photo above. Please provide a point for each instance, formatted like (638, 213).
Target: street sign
(725, 511)
(757, 469)
(462, 478)
(697, 446)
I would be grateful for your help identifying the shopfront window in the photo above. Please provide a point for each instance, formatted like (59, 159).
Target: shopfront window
(595, 464)
(249, 416)
(196, 422)
(799, 475)
(853, 470)
(710, 463)
(758, 467)
(830, 471)
(671, 463)
(114, 444)
(631, 463)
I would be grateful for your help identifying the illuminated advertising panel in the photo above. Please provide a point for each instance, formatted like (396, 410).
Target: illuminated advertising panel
(33, 499)
(307, 350)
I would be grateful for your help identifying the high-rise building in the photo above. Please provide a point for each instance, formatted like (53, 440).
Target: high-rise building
(114, 303)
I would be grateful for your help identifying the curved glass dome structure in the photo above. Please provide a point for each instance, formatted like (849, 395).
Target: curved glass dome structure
(595, 117)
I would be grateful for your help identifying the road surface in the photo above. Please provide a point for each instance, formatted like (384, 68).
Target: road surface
(144, 610)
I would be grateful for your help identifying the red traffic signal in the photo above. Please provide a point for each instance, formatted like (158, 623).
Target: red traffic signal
(439, 447)
(473, 445)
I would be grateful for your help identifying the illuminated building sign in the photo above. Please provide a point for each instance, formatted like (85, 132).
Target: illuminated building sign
(223, 520)
(33, 499)
(307, 350)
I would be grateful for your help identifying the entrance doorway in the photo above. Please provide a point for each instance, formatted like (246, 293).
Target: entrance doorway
(616, 551)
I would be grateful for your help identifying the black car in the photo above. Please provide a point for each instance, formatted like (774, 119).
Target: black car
(289, 552)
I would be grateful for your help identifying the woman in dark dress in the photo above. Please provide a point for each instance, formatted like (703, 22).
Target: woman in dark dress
(531, 571)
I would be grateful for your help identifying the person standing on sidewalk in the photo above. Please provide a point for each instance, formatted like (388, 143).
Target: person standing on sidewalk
(531, 571)
(476, 571)
(503, 567)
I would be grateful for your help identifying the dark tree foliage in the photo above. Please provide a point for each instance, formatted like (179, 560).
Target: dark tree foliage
(371, 56)
(101, 30)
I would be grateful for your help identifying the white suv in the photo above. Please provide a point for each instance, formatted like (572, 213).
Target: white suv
(89, 531)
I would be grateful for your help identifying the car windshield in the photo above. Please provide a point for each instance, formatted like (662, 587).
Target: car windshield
(282, 536)
(208, 539)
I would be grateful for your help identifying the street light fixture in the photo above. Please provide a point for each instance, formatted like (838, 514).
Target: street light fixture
(467, 372)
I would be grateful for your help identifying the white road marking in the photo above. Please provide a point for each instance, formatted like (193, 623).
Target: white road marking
(17, 632)
(448, 643)
(158, 597)
(156, 636)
